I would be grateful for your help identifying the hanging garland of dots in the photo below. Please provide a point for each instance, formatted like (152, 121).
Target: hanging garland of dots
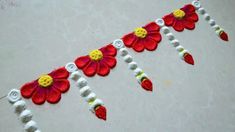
(99, 62)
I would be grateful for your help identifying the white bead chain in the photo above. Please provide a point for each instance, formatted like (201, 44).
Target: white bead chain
(20, 108)
(207, 17)
(132, 65)
(84, 90)
(170, 36)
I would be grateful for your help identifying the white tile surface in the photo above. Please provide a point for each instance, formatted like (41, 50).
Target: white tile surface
(37, 36)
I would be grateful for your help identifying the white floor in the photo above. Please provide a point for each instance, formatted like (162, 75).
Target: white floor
(37, 36)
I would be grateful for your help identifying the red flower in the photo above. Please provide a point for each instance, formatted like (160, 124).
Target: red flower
(182, 18)
(98, 61)
(47, 87)
(146, 37)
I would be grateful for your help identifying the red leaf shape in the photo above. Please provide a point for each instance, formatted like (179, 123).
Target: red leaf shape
(147, 85)
(100, 112)
(188, 59)
(224, 36)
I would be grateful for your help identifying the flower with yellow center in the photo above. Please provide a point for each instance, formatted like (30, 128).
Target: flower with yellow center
(96, 55)
(45, 81)
(140, 32)
(179, 14)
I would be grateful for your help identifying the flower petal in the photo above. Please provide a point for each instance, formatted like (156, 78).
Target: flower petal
(91, 69)
(152, 27)
(139, 45)
(189, 24)
(150, 44)
(169, 20)
(110, 61)
(39, 96)
(109, 50)
(28, 89)
(60, 73)
(188, 9)
(82, 61)
(53, 95)
(155, 36)
(178, 26)
(61, 84)
(103, 69)
(129, 39)
(192, 17)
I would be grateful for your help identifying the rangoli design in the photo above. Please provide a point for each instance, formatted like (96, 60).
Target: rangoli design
(49, 87)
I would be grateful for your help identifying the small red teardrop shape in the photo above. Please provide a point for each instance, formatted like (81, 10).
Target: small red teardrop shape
(188, 59)
(100, 112)
(224, 36)
(147, 85)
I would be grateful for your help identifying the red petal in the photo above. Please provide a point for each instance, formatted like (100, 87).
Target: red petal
(139, 45)
(155, 36)
(188, 9)
(39, 96)
(53, 95)
(178, 26)
(150, 44)
(60, 73)
(192, 17)
(102, 69)
(224, 36)
(110, 61)
(100, 112)
(189, 24)
(109, 50)
(61, 84)
(147, 85)
(81, 62)
(169, 20)
(91, 69)
(152, 27)
(188, 58)
(28, 89)
(129, 39)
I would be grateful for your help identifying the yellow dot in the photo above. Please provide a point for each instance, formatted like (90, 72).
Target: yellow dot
(45, 81)
(96, 55)
(140, 32)
(179, 14)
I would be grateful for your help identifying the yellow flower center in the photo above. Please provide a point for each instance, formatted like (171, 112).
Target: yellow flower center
(45, 81)
(179, 14)
(140, 32)
(96, 55)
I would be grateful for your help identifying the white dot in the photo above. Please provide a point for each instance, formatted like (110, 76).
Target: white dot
(70, 67)
(14, 95)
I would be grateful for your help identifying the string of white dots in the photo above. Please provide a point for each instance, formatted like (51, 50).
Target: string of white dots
(132, 65)
(84, 90)
(170, 36)
(207, 17)
(20, 108)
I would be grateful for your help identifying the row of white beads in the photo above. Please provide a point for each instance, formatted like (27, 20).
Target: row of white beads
(20, 108)
(207, 17)
(84, 89)
(180, 49)
(132, 65)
